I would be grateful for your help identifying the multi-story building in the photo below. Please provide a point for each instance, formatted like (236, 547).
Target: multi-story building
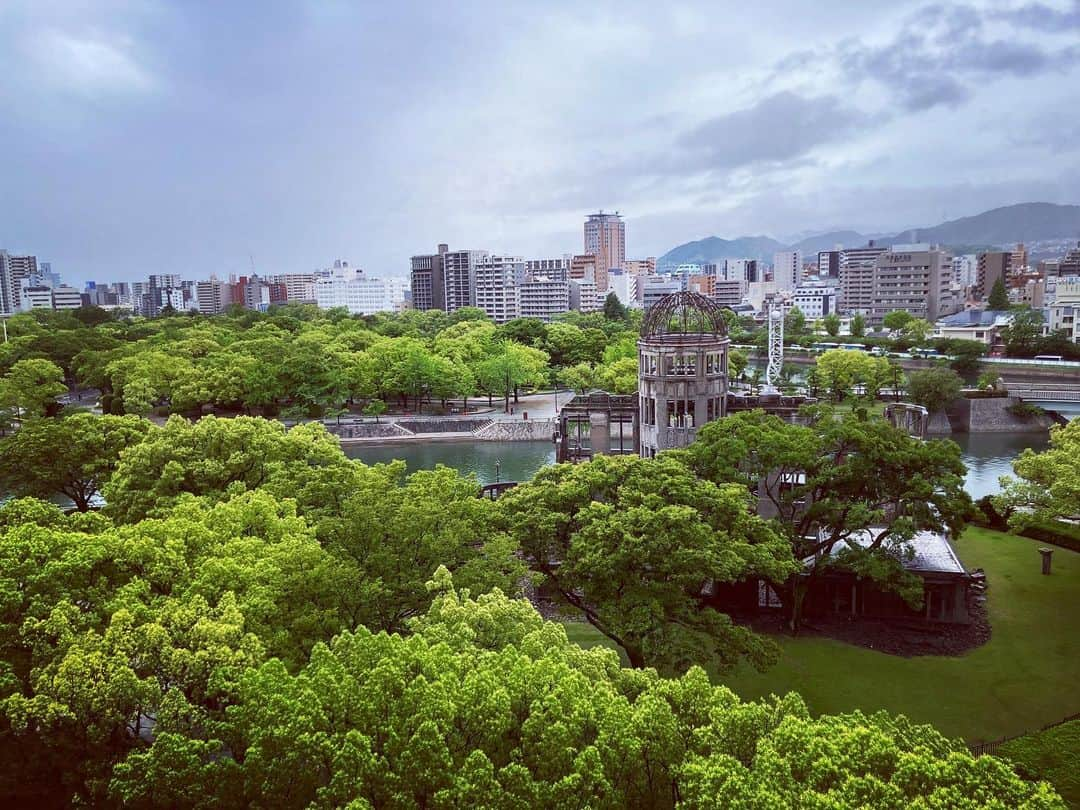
(828, 263)
(641, 267)
(350, 288)
(543, 296)
(787, 269)
(35, 296)
(703, 284)
(857, 277)
(13, 270)
(1070, 263)
(965, 269)
(583, 266)
(583, 295)
(815, 301)
(991, 266)
(625, 287)
(605, 238)
(916, 278)
(1028, 290)
(426, 280)
(729, 292)
(212, 295)
(459, 278)
(550, 268)
(1064, 314)
(496, 281)
(65, 297)
(1019, 258)
(294, 287)
(656, 287)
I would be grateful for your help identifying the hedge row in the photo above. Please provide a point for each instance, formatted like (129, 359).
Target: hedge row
(1055, 532)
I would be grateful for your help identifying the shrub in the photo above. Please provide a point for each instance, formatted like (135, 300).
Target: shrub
(1025, 410)
(1055, 532)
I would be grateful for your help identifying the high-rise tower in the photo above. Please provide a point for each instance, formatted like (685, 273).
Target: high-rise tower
(605, 238)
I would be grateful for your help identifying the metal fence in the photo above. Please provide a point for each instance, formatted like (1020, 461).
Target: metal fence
(991, 747)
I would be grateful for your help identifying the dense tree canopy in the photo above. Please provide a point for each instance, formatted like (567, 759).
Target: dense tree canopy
(829, 483)
(934, 388)
(1047, 486)
(843, 371)
(631, 542)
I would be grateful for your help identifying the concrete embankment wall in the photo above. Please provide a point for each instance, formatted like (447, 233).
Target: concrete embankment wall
(531, 431)
(990, 415)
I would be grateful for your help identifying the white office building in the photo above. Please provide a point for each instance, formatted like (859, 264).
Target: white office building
(787, 269)
(350, 288)
(625, 287)
(656, 287)
(965, 270)
(496, 280)
(816, 301)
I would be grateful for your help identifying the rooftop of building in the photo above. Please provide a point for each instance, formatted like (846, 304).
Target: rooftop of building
(975, 317)
(931, 552)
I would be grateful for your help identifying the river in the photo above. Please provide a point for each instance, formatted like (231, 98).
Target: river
(988, 456)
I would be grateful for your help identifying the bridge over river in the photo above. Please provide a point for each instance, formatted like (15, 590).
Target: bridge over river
(1045, 393)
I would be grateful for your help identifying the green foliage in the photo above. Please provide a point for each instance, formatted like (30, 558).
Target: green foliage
(897, 319)
(1023, 335)
(934, 388)
(613, 308)
(628, 542)
(1025, 410)
(1052, 755)
(840, 371)
(580, 377)
(1047, 485)
(213, 458)
(72, 457)
(831, 324)
(857, 326)
(999, 297)
(31, 387)
(833, 481)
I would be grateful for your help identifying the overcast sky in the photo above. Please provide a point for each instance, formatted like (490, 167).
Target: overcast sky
(141, 136)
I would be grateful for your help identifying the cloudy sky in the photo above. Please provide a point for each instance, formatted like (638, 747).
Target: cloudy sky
(142, 136)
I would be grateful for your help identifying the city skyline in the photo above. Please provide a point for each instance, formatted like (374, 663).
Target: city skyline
(156, 136)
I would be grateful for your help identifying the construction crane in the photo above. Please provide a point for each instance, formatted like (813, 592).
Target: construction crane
(774, 318)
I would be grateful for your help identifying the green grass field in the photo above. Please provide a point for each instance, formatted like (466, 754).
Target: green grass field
(1023, 678)
(1053, 755)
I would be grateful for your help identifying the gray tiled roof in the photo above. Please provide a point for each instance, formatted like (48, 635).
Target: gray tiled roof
(932, 552)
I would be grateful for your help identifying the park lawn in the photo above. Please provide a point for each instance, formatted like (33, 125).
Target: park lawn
(1052, 755)
(1023, 678)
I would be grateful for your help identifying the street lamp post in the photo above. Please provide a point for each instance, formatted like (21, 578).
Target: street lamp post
(498, 465)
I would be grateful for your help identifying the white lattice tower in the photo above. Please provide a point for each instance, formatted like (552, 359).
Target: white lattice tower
(775, 318)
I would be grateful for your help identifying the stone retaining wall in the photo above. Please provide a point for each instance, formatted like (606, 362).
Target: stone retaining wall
(530, 431)
(991, 415)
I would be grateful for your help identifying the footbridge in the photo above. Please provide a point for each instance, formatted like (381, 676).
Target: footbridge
(1045, 392)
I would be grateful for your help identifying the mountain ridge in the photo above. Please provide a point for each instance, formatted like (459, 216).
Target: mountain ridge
(1021, 222)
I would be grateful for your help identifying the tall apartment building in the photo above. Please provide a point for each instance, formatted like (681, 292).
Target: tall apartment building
(916, 278)
(584, 296)
(787, 269)
(13, 271)
(605, 238)
(459, 278)
(702, 284)
(965, 270)
(65, 297)
(543, 296)
(212, 296)
(295, 287)
(1019, 258)
(555, 269)
(828, 263)
(990, 267)
(426, 280)
(857, 278)
(496, 280)
(584, 266)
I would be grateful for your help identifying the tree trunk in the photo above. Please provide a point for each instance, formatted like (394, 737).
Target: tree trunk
(799, 588)
(637, 658)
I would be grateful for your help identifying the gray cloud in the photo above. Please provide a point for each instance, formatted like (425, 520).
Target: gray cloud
(1042, 17)
(779, 128)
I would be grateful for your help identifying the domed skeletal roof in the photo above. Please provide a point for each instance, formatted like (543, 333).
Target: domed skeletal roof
(686, 314)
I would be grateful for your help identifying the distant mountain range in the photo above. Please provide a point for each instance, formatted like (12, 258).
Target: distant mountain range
(1025, 222)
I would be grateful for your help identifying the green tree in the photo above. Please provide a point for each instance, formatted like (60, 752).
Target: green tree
(579, 377)
(842, 370)
(842, 491)
(1023, 334)
(831, 323)
(72, 457)
(1047, 486)
(613, 308)
(510, 367)
(32, 386)
(917, 330)
(897, 319)
(857, 326)
(999, 297)
(620, 376)
(213, 457)
(934, 388)
(376, 408)
(794, 323)
(629, 541)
